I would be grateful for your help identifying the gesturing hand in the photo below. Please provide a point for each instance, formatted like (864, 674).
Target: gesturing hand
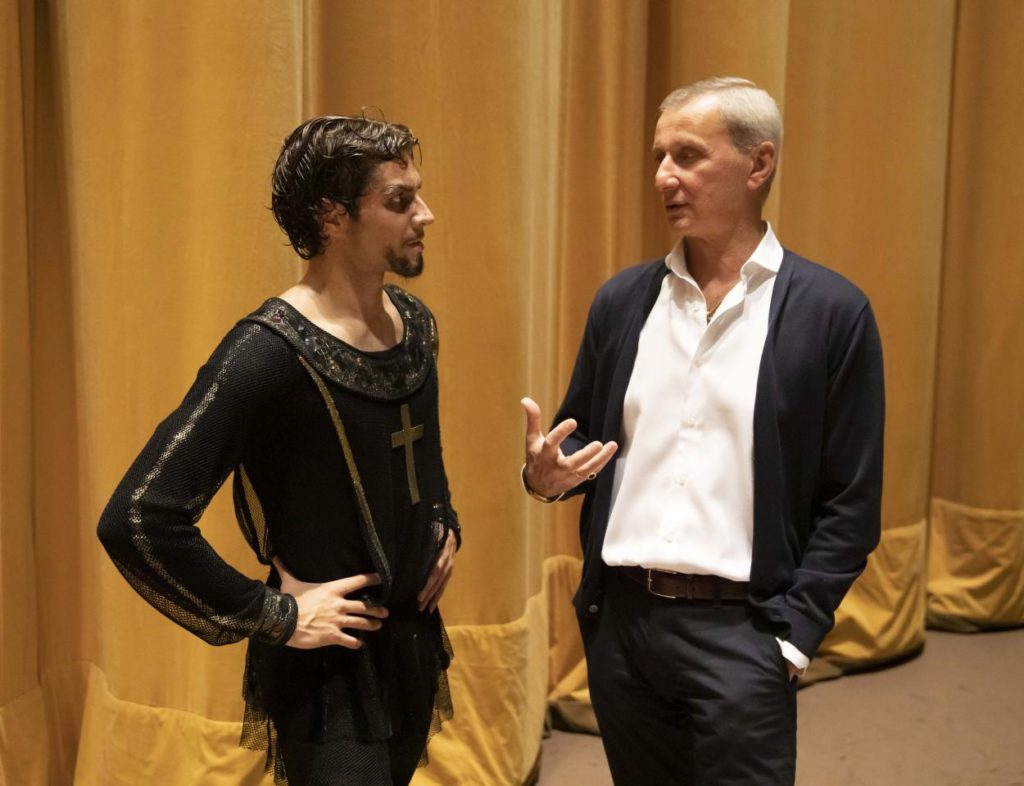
(325, 610)
(437, 581)
(548, 471)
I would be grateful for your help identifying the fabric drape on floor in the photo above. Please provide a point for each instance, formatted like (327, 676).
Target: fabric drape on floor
(138, 139)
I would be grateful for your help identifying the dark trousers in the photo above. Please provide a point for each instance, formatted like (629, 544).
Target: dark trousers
(349, 762)
(688, 692)
(353, 762)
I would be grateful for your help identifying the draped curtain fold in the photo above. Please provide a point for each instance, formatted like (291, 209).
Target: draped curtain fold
(138, 139)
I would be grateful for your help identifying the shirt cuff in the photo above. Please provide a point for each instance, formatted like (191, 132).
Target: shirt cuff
(794, 656)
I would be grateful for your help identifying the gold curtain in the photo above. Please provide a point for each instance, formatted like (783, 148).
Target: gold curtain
(137, 144)
(976, 546)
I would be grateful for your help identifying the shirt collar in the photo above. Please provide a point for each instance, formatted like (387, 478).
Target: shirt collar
(767, 256)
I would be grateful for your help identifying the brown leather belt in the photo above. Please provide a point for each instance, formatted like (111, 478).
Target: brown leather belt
(686, 586)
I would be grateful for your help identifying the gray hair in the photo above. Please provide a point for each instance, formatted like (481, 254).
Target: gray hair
(749, 113)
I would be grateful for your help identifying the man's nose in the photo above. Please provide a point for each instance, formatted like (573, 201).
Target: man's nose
(665, 179)
(423, 214)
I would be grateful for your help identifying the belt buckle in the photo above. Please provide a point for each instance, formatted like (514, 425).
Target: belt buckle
(650, 588)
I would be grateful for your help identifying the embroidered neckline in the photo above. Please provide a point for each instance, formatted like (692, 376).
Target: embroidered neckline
(390, 375)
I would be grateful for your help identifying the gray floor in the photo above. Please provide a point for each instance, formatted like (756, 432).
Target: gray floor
(953, 716)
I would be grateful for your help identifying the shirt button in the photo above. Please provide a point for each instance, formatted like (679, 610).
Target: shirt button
(681, 480)
(698, 363)
(593, 608)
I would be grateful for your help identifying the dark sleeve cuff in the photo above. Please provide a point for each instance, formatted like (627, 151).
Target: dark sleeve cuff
(280, 616)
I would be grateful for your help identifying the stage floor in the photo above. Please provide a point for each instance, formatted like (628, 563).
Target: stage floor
(953, 716)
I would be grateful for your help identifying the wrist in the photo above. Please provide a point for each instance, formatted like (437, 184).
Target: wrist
(536, 494)
(280, 616)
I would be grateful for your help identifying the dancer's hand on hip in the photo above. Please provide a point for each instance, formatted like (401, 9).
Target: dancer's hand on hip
(437, 581)
(326, 611)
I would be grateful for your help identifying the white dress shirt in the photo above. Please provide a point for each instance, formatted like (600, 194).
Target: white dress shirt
(682, 498)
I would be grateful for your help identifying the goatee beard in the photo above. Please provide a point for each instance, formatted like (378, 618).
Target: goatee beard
(404, 266)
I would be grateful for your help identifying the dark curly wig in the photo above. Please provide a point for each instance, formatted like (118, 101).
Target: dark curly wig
(330, 160)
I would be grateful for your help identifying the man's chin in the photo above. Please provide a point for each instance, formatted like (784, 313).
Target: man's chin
(406, 267)
(678, 222)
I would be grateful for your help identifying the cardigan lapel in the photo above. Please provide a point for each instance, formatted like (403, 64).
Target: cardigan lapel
(781, 289)
(768, 475)
(628, 348)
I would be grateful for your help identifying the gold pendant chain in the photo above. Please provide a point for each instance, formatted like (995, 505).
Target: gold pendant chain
(714, 308)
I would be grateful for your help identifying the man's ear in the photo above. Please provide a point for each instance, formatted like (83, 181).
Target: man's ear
(333, 217)
(762, 164)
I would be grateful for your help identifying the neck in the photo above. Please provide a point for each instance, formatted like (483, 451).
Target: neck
(720, 258)
(339, 291)
(346, 303)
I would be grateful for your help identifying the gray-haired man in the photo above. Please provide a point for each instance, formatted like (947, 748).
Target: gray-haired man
(744, 386)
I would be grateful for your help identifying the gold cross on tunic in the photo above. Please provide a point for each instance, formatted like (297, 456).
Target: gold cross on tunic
(406, 437)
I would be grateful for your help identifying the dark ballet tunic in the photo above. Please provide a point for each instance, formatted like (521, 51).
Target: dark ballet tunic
(336, 455)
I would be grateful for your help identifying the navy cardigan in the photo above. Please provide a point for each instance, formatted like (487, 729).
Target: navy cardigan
(818, 427)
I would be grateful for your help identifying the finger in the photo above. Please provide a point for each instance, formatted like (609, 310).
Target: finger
(360, 623)
(430, 602)
(347, 641)
(438, 595)
(445, 562)
(429, 588)
(447, 555)
(363, 609)
(440, 573)
(432, 579)
(424, 602)
(558, 434)
(281, 569)
(580, 457)
(598, 462)
(350, 584)
(438, 577)
(437, 590)
(532, 408)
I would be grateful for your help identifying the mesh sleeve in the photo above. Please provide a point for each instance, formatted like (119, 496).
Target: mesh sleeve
(149, 525)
